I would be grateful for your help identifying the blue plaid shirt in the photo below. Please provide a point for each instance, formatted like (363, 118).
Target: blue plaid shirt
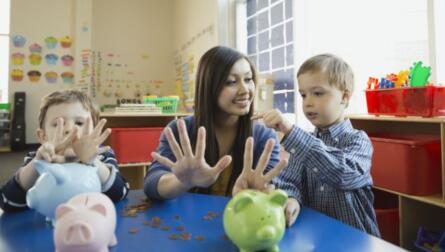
(329, 171)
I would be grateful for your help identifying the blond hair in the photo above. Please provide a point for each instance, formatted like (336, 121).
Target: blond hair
(337, 71)
(67, 96)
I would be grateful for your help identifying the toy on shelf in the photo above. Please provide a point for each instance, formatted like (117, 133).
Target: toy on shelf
(255, 221)
(58, 183)
(419, 75)
(407, 93)
(87, 222)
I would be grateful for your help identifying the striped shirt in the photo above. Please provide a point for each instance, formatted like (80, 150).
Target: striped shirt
(329, 171)
(13, 196)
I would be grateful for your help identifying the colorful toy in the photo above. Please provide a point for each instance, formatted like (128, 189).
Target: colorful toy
(373, 83)
(58, 183)
(87, 222)
(255, 221)
(384, 83)
(402, 79)
(419, 74)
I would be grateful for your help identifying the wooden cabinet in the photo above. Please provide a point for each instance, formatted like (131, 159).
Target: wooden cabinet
(414, 211)
(134, 173)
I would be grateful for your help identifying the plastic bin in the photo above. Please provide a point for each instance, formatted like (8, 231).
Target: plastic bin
(430, 241)
(387, 212)
(134, 145)
(425, 101)
(408, 164)
(167, 104)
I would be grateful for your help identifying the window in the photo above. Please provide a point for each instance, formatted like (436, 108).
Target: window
(4, 49)
(375, 37)
(269, 44)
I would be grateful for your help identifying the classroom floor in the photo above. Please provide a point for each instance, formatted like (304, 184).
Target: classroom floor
(9, 163)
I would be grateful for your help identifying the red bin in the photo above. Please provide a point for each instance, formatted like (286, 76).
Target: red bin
(408, 164)
(425, 101)
(134, 145)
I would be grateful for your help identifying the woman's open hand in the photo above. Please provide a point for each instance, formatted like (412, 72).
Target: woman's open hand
(191, 168)
(254, 179)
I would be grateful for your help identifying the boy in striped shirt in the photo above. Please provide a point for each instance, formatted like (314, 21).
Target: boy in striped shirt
(69, 131)
(329, 169)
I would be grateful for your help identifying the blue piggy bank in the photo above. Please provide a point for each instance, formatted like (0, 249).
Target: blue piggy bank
(58, 183)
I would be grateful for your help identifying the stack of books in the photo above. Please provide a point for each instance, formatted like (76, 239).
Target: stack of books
(138, 108)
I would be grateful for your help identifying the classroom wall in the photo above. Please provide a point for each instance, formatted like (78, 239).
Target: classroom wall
(134, 40)
(121, 49)
(195, 31)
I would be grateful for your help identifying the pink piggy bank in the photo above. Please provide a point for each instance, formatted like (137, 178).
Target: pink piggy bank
(85, 223)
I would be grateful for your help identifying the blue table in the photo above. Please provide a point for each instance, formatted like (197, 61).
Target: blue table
(27, 231)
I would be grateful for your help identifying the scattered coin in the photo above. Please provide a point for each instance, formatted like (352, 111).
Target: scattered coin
(133, 230)
(173, 237)
(186, 236)
(166, 228)
(199, 238)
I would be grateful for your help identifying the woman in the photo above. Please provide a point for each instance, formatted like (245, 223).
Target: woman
(219, 130)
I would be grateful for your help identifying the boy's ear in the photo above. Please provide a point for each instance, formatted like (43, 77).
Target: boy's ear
(40, 135)
(346, 97)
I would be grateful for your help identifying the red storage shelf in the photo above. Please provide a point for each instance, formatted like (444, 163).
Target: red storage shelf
(425, 101)
(134, 145)
(387, 212)
(408, 164)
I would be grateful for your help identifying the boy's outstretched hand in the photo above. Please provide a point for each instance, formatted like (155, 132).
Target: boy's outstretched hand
(274, 119)
(86, 146)
(291, 211)
(191, 169)
(254, 179)
(53, 149)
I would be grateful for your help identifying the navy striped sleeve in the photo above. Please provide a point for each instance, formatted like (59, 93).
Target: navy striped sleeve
(116, 187)
(13, 196)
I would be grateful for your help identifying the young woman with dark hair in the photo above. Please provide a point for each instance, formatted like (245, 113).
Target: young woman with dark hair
(221, 129)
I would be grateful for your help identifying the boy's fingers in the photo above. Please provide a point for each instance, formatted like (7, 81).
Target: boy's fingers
(173, 144)
(248, 149)
(59, 130)
(184, 139)
(257, 116)
(104, 136)
(67, 141)
(165, 161)
(200, 143)
(87, 129)
(46, 157)
(275, 171)
(291, 215)
(58, 159)
(98, 129)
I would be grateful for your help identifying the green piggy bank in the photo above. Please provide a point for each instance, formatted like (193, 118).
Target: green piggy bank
(255, 221)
